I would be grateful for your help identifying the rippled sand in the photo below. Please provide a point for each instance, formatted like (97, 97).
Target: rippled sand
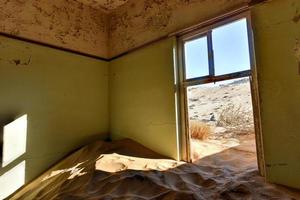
(126, 170)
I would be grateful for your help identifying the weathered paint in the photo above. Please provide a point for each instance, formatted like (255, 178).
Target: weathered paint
(105, 28)
(105, 5)
(142, 98)
(277, 36)
(64, 23)
(65, 97)
(139, 22)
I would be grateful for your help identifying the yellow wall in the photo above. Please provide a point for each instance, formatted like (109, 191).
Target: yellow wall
(142, 99)
(276, 31)
(64, 95)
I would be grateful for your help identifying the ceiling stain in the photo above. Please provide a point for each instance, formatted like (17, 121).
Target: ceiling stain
(106, 5)
(63, 23)
(141, 21)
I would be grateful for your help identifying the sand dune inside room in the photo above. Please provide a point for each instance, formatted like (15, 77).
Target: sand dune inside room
(126, 170)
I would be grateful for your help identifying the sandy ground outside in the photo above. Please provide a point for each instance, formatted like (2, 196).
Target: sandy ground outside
(127, 170)
(226, 109)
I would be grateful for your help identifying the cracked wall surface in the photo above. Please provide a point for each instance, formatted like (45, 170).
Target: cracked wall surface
(63, 23)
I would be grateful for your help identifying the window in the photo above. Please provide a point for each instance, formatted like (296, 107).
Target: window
(196, 58)
(218, 53)
(217, 96)
(230, 47)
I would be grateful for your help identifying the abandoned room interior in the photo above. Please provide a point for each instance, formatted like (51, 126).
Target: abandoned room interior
(149, 99)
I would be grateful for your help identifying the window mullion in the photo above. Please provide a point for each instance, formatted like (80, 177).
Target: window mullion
(210, 54)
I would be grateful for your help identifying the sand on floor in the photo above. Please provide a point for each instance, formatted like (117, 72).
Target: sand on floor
(126, 170)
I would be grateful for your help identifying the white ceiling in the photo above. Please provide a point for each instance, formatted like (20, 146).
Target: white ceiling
(104, 4)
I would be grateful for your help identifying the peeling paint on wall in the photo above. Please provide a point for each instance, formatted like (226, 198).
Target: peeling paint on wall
(296, 18)
(18, 57)
(64, 23)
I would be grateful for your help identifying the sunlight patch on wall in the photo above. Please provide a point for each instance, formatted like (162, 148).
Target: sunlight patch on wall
(14, 146)
(12, 180)
(14, 140)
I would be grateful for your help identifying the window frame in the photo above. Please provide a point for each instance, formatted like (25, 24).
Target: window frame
(184, 137)
(207, 32)
(208, 54)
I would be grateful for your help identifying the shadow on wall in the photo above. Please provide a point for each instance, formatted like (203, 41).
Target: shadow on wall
(13, 148)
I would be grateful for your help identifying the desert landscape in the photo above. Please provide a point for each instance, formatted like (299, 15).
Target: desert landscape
(221, 117)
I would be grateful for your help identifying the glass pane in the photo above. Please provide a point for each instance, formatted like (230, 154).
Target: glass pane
(231, 48)
(196, 58)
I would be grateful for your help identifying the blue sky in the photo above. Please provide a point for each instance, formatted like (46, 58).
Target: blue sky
(231, 51)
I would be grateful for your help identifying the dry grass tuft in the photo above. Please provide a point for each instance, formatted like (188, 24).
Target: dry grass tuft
(233, 115)
(199, 130)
